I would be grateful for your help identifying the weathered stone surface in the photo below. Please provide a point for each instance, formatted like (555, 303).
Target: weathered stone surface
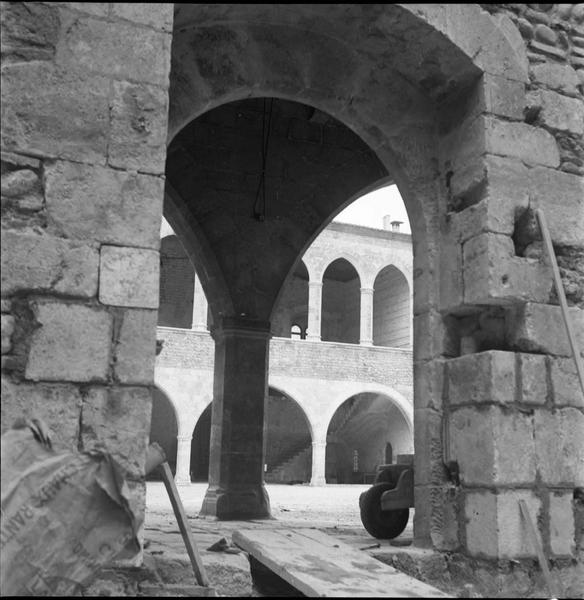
(486, 377)
(72, 343)
(561, 197)
(532, 379)
(429, 377)
(30, 31)
(116, 49)
(540, 328)
(59, 406)
(436, 516)
(44, 263)
(562, 529)
(493, 446)
(138, 127)
(495, 528)
(559, 446)
(430, 326)
(428, 459)
(129, 277)
(18, 183)
(135, 350)
(157, 15)
(54, 112)
(566, 390)
(492, 272)
(532, 145)
(7, 331)
(100, 9)
(104, 204)
(559, 77)
(503, 97)
(558, 111)
(117, 421)
(503, 187)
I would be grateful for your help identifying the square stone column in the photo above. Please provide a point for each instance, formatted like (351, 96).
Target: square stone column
(314, 310)
(366, 328)
(236, 477)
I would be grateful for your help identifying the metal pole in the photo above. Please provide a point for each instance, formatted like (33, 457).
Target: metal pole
(561, 295)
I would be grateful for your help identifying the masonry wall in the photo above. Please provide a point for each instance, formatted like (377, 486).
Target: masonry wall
(84, 121)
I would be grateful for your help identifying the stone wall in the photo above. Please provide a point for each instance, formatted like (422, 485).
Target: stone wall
(84, 120)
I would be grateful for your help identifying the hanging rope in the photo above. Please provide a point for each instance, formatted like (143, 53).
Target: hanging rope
(259, 208)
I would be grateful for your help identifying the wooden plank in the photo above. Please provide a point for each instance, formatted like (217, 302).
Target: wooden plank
(319, 565)
(185, 528)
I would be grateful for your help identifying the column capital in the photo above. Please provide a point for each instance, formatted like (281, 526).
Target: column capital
(242, 327)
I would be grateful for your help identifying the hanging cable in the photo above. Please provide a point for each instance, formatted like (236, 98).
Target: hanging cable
(259, 209)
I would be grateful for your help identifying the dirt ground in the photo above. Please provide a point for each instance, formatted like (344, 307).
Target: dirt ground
(333, 509)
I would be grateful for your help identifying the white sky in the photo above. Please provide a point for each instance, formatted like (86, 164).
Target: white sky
(368, 210)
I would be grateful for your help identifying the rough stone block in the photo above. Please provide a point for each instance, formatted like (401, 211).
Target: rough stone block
(503, 97)
(451, 287)
(561, 197)
(559, 112)
(503, 188)
(428, 458)
(559, 446)
(157, 15)
(117, 421)
(486, 377)
(493, 274)
(30, 31)
(495, 527)
(566, 390)
(435, 518)
(136, 347)
(532, 145)
(17, 183)
(492, 446)
(532, 379)
(104, 204)
(138, 127)
(7, 331)
(54, 112)
(117, 49)
(562, 527)
(560, 77)
(129, 277)
(540, 328)
(72, 343)
(44, 263)
(430, 327)
(59, 406)
(429, 378)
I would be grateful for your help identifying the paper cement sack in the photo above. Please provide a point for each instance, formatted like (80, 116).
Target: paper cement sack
(64, 515)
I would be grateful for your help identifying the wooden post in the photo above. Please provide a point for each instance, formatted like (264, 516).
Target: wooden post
(561, 295)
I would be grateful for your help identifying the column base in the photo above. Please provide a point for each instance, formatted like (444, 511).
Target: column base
(318, 481)
(182, 481)
(250, 502)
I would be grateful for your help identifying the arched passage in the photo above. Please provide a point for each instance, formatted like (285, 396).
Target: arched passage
(177, 283)
(164, 428)
(292, 306)
(392, 315)
(341, 303)
(289, 441)
(199, 468)
(359, 434)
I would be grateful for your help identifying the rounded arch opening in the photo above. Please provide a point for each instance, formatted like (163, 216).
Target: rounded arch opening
(163, 429)
(290, 316)
(341, 303)
(392, 314)
(361, 432)
(200, 446)
(288, 441)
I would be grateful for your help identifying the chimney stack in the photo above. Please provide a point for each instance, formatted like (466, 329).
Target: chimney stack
(387, 222)
(395, 225)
